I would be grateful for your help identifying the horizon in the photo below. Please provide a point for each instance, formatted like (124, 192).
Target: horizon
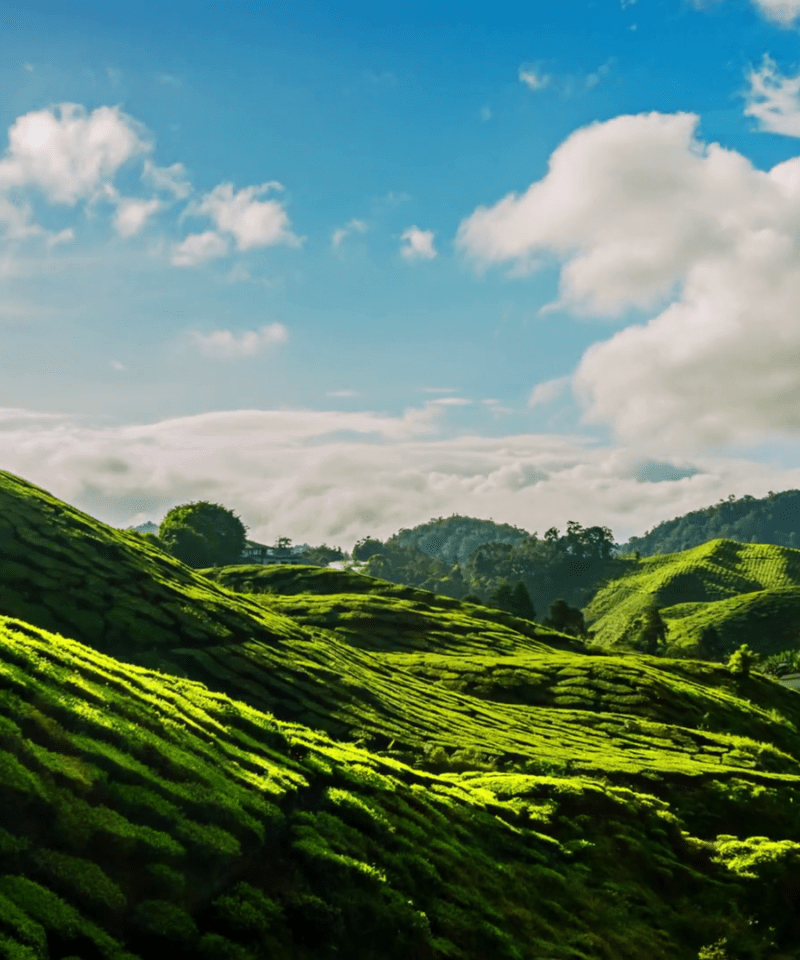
(348, 271)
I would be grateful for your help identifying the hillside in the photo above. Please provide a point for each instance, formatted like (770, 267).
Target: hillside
(773, 519)
(297, 762)
(750, 593)
(453, 539)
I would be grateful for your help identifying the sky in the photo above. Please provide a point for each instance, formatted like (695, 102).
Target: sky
(344, 268)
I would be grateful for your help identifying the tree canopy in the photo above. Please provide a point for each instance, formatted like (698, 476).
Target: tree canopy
(203, 534)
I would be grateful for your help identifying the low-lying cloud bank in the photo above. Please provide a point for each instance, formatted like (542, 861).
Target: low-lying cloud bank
(329, 476)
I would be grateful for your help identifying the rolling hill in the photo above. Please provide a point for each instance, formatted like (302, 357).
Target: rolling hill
(774, 519)
(750, 593)
(295, 762)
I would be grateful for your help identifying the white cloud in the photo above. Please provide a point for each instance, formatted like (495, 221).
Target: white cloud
(254, 223)
(784, 12)
(132, 214)
(774, 99)
(117, 365)
(286, 473)
(172, 179)
(342, 393)
(418, 244)
(69, 154)
(199, 248)
(16, 218)
(224, 345)
(643, 215)
(452, 401)
(67, 235)
(353, 226)
(547, 392)
(533, 78)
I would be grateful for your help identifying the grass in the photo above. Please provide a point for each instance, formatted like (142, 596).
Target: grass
(292, 762)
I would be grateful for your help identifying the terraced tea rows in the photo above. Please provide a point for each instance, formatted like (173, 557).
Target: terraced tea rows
(737, 588)
(327, 765)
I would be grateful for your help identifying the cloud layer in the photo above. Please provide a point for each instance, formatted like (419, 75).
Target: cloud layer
(330, 476)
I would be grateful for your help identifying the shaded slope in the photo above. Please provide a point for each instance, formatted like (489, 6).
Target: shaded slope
(750, 592)
(63, 570)
(143, 815)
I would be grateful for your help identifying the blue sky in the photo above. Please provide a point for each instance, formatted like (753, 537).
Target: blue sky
(349, 267)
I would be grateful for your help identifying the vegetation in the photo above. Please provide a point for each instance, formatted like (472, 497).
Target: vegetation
(773, 519)
(300, 762)
(203, 534)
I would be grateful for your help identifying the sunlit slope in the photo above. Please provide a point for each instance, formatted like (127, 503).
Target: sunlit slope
(142, 815)
(750, 592)
(63, 570)
(411, 677)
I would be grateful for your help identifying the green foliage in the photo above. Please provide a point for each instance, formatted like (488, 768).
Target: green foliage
(774, 519)
(565, 618)
(323, 555)
(741, 661)
(312, 762)
(515, 600)
(367, 547)
(202, 534)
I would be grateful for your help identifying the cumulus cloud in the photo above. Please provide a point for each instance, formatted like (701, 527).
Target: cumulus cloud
(132, 214)
(286, 473)
(452, 401)
(784, 12)
(224, 345)
(252, 222)
(199, 248)
(418, 244)
(353, 226)
(68, 153)
(642, 214)
(774, 99)
(172, 179)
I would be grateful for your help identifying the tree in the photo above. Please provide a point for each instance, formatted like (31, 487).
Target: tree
(366, 548)
(323, 555)
(203, 534)
(653, 631)
(741, 660)
(566, 619)
(710, 646)
(521, 605)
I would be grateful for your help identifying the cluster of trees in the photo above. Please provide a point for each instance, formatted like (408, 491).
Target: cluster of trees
(771, 519)
(202, 534)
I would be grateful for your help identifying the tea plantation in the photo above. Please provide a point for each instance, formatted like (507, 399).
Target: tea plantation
(267, 762)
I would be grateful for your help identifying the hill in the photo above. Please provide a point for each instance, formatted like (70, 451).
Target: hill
(454, 538)
(297, 762)
(749, 593)
(773, 519)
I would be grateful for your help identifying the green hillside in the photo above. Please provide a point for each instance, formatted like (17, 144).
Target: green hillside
(750, 593)
(773, 519)
(268, 762)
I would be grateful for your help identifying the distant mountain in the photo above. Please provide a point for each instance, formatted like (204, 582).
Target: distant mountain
(146, 527)
(452, 540)
(772, 519)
